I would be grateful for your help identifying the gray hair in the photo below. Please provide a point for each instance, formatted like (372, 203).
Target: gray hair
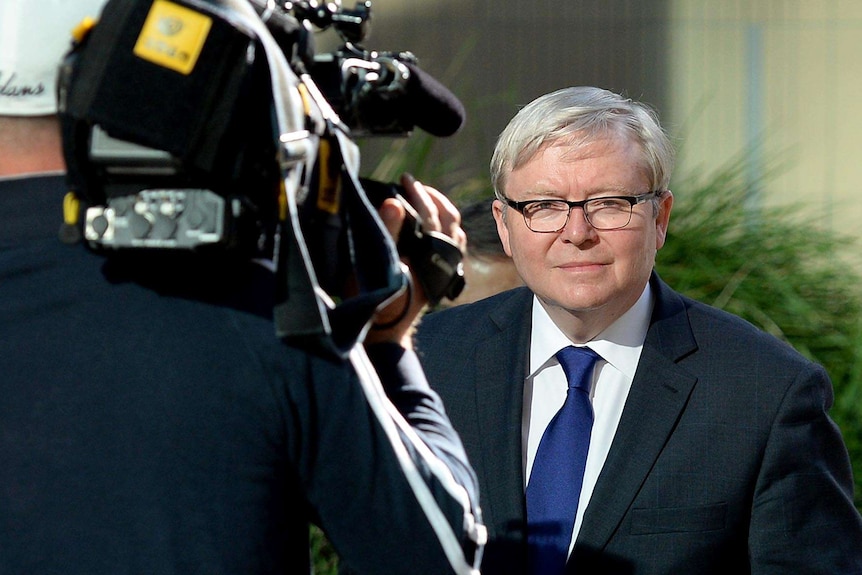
(577, 116)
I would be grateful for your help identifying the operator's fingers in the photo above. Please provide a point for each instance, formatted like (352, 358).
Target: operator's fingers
(392, 214)
(437, 212)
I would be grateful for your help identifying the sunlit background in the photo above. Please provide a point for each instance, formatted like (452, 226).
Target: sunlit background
(776, 82)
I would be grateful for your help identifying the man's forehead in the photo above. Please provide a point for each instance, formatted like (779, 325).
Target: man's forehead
(579, 147)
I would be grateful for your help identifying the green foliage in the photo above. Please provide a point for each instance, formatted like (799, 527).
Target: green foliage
(778, 270)
(323, 556)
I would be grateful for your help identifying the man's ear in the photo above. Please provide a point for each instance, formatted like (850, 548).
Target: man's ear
(663, 218)
(498, 209)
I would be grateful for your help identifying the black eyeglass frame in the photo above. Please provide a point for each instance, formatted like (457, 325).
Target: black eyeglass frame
(632, 200)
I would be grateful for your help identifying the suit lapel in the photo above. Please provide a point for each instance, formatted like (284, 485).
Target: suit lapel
(659, 393)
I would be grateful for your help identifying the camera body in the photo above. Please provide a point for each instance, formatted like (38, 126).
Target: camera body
(165, 157)
(174, 144)
(151, 203)
(185, 161)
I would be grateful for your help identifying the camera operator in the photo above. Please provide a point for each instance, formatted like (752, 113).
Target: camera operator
(151, 422)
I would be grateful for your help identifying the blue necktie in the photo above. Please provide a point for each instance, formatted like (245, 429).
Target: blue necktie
(558, 469)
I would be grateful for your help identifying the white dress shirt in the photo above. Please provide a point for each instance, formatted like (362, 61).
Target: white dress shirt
(545, 388)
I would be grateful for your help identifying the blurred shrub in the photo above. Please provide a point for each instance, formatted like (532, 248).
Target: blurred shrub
(778, 269)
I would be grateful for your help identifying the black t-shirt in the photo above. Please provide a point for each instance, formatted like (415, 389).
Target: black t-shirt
(151, 422)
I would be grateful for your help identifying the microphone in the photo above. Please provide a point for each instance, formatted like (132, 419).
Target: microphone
(386, 95)
(430, 105)
(373, 92)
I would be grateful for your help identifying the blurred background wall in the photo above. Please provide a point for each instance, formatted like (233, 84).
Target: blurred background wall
(780, 80)
(774, 81)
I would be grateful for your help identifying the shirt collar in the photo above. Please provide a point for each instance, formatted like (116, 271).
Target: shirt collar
(619, 344)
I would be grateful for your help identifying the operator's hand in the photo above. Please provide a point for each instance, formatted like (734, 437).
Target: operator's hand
(437, 214)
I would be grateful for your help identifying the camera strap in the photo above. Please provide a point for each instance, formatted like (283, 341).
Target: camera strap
(321, 193)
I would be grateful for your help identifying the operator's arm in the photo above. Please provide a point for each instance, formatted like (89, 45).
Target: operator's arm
(391, 351)
(388, 459)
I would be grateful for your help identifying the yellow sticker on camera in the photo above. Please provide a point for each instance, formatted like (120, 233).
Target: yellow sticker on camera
(173, 36)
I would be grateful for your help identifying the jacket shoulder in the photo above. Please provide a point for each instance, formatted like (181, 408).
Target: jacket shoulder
(482, 317)
(719, 330)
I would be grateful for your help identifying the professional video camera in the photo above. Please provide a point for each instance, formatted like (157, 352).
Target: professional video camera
(214, 129)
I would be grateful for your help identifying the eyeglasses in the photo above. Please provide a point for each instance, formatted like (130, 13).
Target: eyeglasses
(607, 213)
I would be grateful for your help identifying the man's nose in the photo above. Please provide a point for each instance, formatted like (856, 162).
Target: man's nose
(578, 229)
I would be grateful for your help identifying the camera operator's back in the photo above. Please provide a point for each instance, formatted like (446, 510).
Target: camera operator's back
(143, 412)
(144, 425)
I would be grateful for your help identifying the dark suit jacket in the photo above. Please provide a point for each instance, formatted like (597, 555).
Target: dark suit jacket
(724, 461)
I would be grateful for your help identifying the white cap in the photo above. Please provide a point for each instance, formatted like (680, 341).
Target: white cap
(34, 37)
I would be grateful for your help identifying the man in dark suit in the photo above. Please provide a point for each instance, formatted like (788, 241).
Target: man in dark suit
(710, 447)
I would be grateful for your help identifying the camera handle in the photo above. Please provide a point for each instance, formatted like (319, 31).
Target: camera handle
(435, 257)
